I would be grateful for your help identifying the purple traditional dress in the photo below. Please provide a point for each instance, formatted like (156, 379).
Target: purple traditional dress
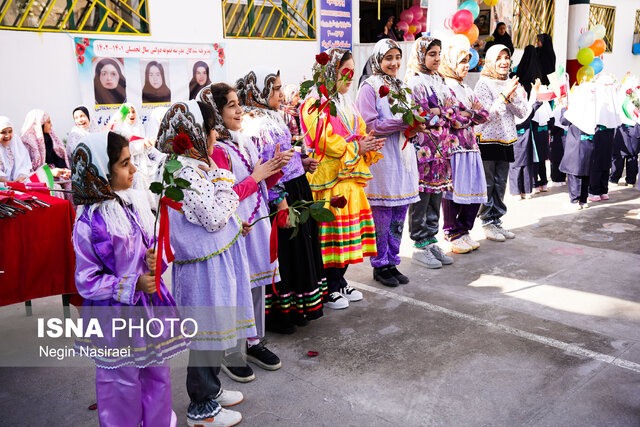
(111, 236)
(461, 203)
(434, 147)
(210, 279)
(302, 282)
(395, 177)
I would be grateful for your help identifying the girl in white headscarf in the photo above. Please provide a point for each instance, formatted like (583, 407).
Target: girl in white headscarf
(15, 164)
(44, 145)
(394, 186)
(627, 137)
(505, 99)
(83, 126)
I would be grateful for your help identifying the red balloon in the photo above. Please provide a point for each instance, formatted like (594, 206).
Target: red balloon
(461, 22)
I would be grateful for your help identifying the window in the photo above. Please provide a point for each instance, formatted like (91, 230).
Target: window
(269, 19)
(605, 15)
(76, 16)
(530, 18)
(636, 31)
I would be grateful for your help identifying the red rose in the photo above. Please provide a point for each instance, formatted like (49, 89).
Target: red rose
(384, 91)
(221, 61)
(323, 90)
(86, 42)
(182, 143)
(629, 91)
(347, 73)
(215, 46)
(338, 202)
(79, 49)
(323, 58)
(80, 59)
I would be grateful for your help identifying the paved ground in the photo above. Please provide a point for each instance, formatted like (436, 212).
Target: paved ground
(542, 330)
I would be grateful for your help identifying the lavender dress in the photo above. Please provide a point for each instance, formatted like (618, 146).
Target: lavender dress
(210, 278)
(107, 269)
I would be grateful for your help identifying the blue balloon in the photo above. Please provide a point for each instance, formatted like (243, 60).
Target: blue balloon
(472, 7)
(475, 58)
(597, 65)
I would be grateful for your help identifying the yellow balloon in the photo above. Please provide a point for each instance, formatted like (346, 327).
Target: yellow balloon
(585, 73)
(491, 2)
(412, 29)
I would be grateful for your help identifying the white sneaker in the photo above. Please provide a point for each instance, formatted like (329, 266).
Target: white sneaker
(492, 233)
(440, 255)
(474, 245)
(224, 418)
(460, 246)
(351, 294)
(228, 398)
(506, 233)
(336, 301)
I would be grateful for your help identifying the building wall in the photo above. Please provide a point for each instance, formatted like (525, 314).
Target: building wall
(39, 69)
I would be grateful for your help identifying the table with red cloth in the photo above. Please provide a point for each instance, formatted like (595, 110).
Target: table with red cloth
(36, 252)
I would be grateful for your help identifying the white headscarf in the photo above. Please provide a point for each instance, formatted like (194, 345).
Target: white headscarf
(607, 106)
(629, 82)
(14, 158)
(153, 124)
(32, 136)
(582, 96)
(119, 124)
(379, 77)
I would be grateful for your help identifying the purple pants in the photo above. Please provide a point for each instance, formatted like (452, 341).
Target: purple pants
(128, 396)
(389, 222)
(458, 218)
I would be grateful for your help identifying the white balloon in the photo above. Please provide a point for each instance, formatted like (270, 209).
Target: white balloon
(586, 39)
(460, 41)
(599, 31)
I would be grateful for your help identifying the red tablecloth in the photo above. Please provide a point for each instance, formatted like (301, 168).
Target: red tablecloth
(36, 253)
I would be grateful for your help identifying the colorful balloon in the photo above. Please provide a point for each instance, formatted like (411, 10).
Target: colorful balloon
(461, 22)
(585, 73)
(417, 12)
(599, 31)
(419, 28)
(412, 29)
(460, 41)
(403, 26)
(586, 39)
(408, 37)
(472, 7)
(447, 22)
(597, 65)
(491, 3)
(597, 47)
(473, 33)
(585, 56)
(475, 58)
(406, 16)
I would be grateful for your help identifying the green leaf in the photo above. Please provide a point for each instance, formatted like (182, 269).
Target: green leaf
(304, 216)
(394, 108)
(395, 95)
(182, 183)
(173, 166)
(293, 216)
(318, 205)
(332, 109)
(295, 233)
(306, 84)
(156, 187)
(419, 118)
(407, 90)
(322, 215)
(174, 193)
(407, 117)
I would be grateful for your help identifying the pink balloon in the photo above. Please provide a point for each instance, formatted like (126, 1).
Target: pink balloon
(417, 12)
(462, 20)
(403, 26)
(408, 37)
(406, 15)
(447, 22)
(418, 28)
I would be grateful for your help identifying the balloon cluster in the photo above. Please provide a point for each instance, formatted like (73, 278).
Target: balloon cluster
(412, 21)
(466, 32)
(591, 47)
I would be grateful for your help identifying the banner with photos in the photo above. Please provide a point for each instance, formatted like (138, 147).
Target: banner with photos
(147, 75)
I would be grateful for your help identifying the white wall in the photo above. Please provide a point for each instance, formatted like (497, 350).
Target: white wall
(621, 60)
(39, 69)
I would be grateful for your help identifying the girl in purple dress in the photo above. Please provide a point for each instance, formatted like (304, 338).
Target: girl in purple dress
(115, 264)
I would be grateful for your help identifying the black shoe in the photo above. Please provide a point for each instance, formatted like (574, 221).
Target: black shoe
(300, 320)
(401, 278)
(384, 276)
(281, 329)
(241, 374)
(261, 356)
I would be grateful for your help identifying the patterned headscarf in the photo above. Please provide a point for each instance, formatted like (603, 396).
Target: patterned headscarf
(254, 89)
(32, 136)
(452, 56)
(184, 118)
(418, 54)
(491, 57)
(206, 96)
(90, 173)
(379, 77)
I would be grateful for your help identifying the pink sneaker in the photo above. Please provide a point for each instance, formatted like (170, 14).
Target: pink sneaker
(594, 198)
(604, 197)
